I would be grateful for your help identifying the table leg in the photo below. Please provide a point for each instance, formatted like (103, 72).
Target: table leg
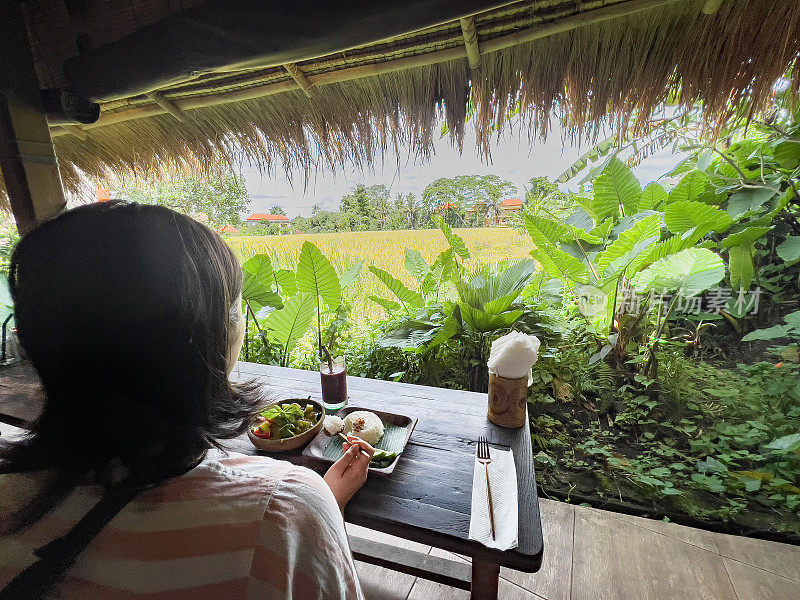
(485, 579)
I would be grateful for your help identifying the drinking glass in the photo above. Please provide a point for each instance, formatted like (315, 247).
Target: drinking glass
(334, 383)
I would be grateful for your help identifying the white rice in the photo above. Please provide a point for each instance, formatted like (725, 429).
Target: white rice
(364, 424)
(333, 424)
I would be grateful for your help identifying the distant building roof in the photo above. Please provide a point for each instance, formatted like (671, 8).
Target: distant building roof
(511, 203)
(265, 217)
(228, 229)
(103, 194)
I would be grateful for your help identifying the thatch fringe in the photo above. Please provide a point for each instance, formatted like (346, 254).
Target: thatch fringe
(611, 73)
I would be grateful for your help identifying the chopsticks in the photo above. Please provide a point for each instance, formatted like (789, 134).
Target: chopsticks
(344, 437)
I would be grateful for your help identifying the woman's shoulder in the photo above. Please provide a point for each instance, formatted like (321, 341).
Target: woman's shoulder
(263, 473)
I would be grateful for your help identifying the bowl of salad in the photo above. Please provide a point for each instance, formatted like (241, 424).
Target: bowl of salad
(286, 425)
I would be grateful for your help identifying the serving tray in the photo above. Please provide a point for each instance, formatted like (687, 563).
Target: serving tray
(397, 431)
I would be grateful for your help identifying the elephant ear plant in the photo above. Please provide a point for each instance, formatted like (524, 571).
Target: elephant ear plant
(283, 303)
(624, 241)
(484, 305)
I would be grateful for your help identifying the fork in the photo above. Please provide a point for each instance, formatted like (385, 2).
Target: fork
(484, 458)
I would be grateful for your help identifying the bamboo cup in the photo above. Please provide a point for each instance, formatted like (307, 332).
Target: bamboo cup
(507, 398)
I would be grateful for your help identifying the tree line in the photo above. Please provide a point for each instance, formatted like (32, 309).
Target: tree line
(462, 201)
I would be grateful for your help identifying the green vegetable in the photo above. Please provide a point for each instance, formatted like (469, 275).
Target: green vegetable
(289, 420)
(382, 459)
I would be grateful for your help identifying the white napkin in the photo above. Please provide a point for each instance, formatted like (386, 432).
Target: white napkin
(503, 479)
(513, 355)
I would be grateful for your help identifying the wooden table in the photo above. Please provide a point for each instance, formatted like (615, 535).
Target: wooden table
(426, 499)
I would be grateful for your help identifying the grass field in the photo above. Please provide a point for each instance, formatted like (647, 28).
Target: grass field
(385, 250)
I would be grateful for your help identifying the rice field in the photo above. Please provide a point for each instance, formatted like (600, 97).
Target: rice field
(385, 250)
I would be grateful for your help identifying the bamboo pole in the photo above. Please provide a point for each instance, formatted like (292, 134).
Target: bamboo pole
(712, 6)
(167, 105)
(470, 32)
(299, 78)
(76, 131)
(537, 32)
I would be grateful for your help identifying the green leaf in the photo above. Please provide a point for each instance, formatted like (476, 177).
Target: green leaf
(793, 319)
(653, 196)
(441, 270)
(286, 281)
(555, 261)
(593, 154)
(740, 265)
(289, 324)
(257, 282)
(694, 187)
(449, 328)
(316, 275)
(672, 245)
(501, 303)
(681, 216)
(615, 187)
(786, 443)
(416, 265)
(561, 265)
(712, 484)
(770, 333)
(746, 236)
(405, 295)
(748, 201)
(484, 322)
(787, 154)
(692, 270)
(350, 276)
(631, 247)
(789, 249)
(557, 231)
(389, 306)
(456, 243)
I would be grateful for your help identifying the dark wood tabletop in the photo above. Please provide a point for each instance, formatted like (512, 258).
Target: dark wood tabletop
(426, 499)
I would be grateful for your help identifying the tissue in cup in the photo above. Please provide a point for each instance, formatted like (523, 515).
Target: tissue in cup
(507, 398)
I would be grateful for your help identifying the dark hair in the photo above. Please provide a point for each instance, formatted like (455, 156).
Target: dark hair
(123, 309)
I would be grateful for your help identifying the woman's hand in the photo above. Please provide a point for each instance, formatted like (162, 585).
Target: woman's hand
(349, 473)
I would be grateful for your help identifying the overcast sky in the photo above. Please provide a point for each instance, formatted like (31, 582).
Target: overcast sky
(513, 158)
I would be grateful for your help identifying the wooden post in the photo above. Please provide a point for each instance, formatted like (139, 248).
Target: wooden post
(27, 158)
(485, 580)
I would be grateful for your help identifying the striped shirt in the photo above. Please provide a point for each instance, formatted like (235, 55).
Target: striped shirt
(233, 527)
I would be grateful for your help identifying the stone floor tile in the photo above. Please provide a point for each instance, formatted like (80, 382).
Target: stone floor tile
(781, 559)
(615, 560)
(383, 584)
(506, 590)
(385, 538)
(696, 537)
(553, 580)
(752, 583)
(379, 583)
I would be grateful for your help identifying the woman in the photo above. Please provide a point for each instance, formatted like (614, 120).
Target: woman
(131, 315)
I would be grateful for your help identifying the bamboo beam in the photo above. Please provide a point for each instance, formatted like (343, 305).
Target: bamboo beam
(27, 158)
(76, 131)
(299, 78)
(167, 105)
(565, 24)
(712, 6)
(470, 32)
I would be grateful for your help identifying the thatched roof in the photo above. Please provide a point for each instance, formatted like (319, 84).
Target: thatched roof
(589, 61)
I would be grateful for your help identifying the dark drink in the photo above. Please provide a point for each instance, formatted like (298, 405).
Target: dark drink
(334, 384)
